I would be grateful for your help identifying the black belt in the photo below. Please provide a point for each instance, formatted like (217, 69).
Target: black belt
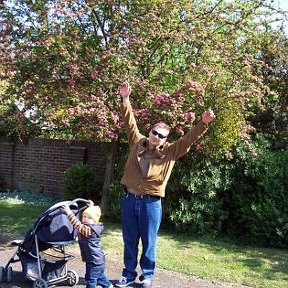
(138, 196)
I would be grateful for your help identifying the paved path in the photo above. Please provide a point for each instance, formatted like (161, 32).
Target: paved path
(164, 279)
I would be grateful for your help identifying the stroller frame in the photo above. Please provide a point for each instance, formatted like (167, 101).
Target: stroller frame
(44, 275)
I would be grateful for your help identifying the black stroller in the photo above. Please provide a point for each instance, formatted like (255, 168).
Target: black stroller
(42, 252)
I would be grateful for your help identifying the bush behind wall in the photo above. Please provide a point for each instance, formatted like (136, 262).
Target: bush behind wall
(81, 181)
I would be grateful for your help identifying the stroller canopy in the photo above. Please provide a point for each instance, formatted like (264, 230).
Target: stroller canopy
(52, 228)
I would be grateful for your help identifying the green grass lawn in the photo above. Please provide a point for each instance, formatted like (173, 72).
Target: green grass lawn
(213, 259)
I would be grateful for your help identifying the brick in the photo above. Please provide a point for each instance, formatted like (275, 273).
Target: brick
(40, 164)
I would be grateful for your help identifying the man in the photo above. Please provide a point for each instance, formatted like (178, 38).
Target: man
(145, 177)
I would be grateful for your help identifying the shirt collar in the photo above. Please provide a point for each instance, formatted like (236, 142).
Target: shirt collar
(158, 152)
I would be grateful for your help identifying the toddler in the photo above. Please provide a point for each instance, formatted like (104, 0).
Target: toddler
(89, 231)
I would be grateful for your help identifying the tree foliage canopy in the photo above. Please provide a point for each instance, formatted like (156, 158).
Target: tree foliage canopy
(64, 60)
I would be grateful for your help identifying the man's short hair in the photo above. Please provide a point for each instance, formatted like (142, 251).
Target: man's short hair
(161, 125)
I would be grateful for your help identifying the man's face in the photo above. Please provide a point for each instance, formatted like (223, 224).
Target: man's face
(157, 136)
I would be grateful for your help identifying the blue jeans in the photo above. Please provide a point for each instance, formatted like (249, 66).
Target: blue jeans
(141, 218)
(95, 276)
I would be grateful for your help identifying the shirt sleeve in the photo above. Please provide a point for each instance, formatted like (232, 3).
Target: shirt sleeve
(81, 228)
(130, 124)
(182, 145)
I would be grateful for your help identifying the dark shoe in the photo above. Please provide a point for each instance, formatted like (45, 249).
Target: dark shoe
(124, 282)
(147, 284)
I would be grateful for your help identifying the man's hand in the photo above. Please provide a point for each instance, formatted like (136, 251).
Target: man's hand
(208, 116)
(125, 91)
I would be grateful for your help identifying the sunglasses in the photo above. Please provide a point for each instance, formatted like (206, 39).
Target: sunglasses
(161, 136)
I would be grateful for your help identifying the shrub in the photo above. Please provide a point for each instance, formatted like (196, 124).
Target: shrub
(193, 202)
(258, 200)
(244, 197)
(81, 181)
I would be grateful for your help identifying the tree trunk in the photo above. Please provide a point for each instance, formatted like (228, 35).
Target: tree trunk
(111, 158)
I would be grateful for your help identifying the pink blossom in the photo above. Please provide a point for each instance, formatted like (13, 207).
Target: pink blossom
(246, 62)
(198, 148)
(198, 98)
(159, 100)
(179, 96)
(149, 95)
(64, 122)
(20, 116)
(70, 111)
(94, 74)
(69, 66)
(115, 118)
(145, 115)
(101, 116)
(189, 115)
(58, 10)
(158, 78)
(194, 85)
(112, 134)
(170, 101)
(137, 112)
(71, 83)
(137, 60)
(180, 130)
(93, 97)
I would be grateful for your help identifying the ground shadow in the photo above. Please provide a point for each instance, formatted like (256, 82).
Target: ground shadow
(18, 281)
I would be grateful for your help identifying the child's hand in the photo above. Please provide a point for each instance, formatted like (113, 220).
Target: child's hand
(91, 203)
(66, 209)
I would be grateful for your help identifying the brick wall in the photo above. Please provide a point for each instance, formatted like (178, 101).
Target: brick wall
(39, 165)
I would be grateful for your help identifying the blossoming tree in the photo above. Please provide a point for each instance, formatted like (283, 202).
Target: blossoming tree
(64, 61)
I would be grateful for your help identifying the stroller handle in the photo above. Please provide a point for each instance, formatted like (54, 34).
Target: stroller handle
(58, 206)
(79, 200)
(69, 203)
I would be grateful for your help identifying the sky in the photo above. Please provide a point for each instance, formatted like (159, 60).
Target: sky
(283, 4)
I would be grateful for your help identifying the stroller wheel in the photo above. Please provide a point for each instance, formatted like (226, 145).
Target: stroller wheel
(40, 283)
(9, 273)
(72, 278)
(1, 274)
